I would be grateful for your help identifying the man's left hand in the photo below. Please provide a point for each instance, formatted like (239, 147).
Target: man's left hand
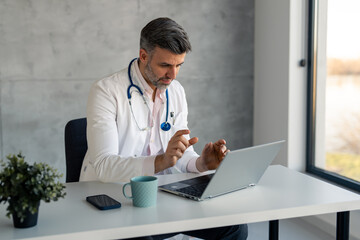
(212, 155)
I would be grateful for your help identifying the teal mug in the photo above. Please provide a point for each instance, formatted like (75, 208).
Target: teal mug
(144, 191)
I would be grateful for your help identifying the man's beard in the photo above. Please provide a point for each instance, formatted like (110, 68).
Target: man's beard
(154, 79)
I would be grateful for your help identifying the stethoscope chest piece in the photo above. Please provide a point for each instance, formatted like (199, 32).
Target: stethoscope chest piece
(165, 126)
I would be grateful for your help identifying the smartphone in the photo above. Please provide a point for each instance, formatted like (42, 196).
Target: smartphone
(103, 202)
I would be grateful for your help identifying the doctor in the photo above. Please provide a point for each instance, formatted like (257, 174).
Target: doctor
(137, 119)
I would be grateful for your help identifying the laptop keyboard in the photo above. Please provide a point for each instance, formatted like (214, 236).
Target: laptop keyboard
(195, 190)
(192, 188)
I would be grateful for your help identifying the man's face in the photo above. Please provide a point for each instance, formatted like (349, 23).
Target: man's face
(161, 67)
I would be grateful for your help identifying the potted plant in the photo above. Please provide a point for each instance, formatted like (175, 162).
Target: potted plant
(23, 186)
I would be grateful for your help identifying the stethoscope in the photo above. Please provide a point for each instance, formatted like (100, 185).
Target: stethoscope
(165, 126)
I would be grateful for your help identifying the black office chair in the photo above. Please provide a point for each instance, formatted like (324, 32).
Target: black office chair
(75, 148)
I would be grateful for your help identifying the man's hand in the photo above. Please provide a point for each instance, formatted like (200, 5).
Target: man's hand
(175, 149)
(212, 155)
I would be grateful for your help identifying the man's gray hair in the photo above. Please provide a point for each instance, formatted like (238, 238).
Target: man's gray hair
(164, 33)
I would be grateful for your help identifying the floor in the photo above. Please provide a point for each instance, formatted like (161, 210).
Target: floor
(293, 229)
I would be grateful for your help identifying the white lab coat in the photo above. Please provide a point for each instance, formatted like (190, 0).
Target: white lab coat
(115, 143)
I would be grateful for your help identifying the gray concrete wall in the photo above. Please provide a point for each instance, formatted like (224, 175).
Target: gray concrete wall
(52, 51)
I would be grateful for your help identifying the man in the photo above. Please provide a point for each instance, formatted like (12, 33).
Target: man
(137, 120)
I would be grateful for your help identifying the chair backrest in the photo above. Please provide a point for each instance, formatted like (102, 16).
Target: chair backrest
(75, 148)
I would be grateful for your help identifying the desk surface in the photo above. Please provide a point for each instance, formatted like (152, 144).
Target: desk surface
(281, 193)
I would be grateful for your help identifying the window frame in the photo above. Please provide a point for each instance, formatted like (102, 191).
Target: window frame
(312, 103)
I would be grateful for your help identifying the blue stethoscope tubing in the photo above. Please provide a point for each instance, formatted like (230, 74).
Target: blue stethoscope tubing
(165, 126)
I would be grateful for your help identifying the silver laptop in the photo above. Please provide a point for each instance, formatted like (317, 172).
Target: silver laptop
(240, 169)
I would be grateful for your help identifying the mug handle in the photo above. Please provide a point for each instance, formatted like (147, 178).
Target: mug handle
(126, 184)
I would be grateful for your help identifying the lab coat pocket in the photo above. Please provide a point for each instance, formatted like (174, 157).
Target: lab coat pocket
(178, 120)
(179, 123)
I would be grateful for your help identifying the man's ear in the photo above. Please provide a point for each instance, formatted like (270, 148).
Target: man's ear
(143, 56)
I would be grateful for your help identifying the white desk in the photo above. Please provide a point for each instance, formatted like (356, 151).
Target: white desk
(281, 193)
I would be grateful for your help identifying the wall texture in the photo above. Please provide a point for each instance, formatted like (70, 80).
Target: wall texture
(52, 51)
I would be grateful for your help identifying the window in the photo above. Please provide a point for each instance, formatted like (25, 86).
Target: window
(334, 91)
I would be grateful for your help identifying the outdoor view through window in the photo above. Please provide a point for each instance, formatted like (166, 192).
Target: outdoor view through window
(342, 89)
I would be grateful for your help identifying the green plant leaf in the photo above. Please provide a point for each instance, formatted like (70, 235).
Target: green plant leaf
(24, 185)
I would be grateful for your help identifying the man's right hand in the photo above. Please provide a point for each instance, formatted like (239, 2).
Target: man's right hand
(175, 150)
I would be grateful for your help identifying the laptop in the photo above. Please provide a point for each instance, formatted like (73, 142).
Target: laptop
(239, 169)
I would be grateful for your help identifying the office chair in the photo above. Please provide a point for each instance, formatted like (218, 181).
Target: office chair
(75, 148)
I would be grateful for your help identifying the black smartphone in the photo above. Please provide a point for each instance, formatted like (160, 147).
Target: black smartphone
(103, 202)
